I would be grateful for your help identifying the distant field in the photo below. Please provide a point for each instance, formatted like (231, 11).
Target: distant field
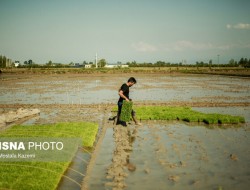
(236, 71)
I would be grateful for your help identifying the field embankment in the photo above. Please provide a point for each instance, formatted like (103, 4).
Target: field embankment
(228, 71)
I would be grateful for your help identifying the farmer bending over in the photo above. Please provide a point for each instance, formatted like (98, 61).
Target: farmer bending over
(124, 95)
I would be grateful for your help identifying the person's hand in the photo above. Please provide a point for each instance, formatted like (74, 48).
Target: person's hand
(127, 99)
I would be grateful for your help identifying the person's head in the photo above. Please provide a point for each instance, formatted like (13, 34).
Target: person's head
(131, 81)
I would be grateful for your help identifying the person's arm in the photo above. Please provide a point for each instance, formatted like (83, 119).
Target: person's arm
(123, 96)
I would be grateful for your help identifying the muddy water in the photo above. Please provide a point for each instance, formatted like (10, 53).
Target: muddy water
(73, 177)
(103, 89)
(103, 160)
(173, 155)
(165, 155)
(177, 157)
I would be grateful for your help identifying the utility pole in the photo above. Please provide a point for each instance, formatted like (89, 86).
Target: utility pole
(96, 60)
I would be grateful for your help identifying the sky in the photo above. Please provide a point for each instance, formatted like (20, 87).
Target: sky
(65, 31)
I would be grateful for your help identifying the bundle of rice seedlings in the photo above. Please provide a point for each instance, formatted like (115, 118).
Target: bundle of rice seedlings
(126, 110)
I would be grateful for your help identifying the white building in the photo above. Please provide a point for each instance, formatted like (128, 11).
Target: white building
(88, 66)
(16, 63)
(116, 66)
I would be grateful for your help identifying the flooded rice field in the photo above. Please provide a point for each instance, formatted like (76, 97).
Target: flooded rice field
(158, 154)
(174, 155)
(102, 89)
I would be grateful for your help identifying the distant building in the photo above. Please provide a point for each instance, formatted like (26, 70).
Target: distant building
(88, 66)
(77, 65)
(124, 66)
(110, 66)
(116, 66)
(17, 63)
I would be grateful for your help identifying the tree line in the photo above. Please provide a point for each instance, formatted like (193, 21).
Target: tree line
(3, 61)
(243, 62)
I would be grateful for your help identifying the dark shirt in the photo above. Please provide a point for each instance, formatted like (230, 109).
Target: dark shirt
(125, 89)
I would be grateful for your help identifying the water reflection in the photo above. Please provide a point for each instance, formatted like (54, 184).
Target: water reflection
(103, 89)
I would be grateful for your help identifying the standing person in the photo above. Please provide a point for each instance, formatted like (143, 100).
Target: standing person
(124, 95)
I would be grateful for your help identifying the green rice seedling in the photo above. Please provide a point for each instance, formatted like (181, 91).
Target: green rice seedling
(223, 119)
(241, 119)
(126, 111)
(31, 175)
(42, 175)
(184, 114)
(85, 130)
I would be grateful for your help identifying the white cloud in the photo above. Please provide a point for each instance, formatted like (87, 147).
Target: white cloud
(238, 26)
(144, 47)
(184, 45)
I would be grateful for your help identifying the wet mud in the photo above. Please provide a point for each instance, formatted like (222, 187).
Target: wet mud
(163, 155)
(158, 154)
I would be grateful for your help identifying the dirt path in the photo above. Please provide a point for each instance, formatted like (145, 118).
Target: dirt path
(118, 170)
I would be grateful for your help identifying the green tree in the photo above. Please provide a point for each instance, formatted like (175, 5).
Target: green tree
(4, 60)
(49, 64)
(101, 63)
(84, 63)
(132, 64)
(160, 64)
(243, 62)
(232, 63)
(1, 61)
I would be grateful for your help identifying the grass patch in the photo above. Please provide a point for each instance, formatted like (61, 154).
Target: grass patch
(42, 175)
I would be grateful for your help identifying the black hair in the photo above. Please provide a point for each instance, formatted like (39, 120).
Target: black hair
(132, 79)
